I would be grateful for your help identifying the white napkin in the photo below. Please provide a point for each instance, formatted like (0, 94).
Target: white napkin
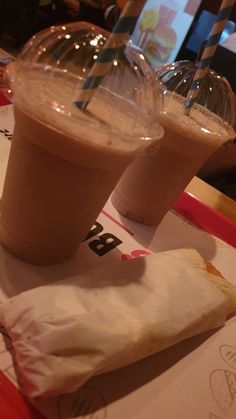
(65, 332)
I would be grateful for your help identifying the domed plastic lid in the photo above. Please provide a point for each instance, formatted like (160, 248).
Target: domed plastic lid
(52, 67)
(215, 93)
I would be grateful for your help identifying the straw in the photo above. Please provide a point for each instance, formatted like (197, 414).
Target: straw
(114, 44)
(208, 53)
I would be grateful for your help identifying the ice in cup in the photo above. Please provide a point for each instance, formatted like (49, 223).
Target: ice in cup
(64, 163)
(151, 184)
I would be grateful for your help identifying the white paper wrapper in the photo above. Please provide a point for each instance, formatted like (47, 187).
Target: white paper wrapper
(65, 332)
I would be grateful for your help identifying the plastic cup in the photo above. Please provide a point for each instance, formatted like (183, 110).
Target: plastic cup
(64, 163)
(150, 185)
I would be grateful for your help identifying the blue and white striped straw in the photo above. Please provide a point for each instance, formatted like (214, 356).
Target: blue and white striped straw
(116, 41)
(208, 53)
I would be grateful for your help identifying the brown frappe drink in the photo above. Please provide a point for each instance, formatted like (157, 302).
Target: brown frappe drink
(63, 163)
(151, 184)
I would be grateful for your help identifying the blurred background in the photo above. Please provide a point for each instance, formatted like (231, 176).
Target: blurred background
(20, 19)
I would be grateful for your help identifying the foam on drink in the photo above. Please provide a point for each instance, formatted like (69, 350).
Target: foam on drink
(206, 126)
(50, 98)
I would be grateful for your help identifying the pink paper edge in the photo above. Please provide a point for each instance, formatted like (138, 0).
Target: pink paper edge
(205, 217)
(4, 99)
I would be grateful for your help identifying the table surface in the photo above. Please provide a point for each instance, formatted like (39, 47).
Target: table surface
(213, 198)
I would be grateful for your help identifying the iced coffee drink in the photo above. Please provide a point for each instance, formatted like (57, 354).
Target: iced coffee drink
(150, 186)
(64, 163)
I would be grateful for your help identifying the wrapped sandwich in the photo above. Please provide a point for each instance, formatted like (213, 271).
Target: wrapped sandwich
(64, 333)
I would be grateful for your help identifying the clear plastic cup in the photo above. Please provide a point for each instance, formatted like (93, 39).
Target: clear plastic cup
(151, 184)
(64, 163)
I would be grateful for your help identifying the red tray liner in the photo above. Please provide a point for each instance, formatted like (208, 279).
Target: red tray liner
(4, 99)
(207, 218)
(13, 404)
